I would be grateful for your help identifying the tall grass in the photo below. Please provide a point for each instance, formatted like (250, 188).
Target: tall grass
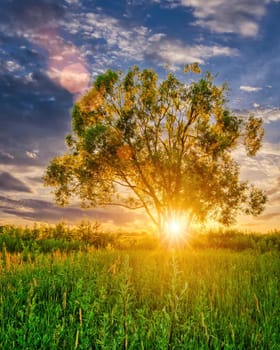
(140, 299)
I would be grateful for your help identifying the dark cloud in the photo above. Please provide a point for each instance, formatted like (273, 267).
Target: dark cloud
(25, 56)
(33, 114)
(41, 210)
(11, 183)
(29, 13)
(34, 109)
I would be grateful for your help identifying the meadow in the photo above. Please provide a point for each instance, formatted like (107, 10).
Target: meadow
(59, 290)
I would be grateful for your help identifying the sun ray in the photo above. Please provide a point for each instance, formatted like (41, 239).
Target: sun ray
(175, 228)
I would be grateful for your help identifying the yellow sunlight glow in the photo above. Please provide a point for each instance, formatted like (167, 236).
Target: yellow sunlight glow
(175, 228)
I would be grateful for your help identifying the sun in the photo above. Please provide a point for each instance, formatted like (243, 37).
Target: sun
(175, 228)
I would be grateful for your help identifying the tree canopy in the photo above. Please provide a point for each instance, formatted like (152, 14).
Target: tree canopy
(161, 145)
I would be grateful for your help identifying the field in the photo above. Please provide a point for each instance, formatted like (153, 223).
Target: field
(73, 296)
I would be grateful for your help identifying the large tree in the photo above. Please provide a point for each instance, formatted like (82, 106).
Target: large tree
(164, 146)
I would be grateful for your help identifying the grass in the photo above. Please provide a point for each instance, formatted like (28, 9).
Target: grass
(140, 299)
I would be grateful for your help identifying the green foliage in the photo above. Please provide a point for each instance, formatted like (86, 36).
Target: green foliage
(106, 81)
(77, 122)
(187, 299)
(237, 241)
(46, 239)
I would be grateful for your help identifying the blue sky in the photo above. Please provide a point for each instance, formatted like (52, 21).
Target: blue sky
(50, 52)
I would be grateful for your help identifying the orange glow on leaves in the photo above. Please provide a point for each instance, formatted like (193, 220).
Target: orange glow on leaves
(124, 152)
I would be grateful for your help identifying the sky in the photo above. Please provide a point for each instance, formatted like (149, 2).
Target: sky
(51, 51)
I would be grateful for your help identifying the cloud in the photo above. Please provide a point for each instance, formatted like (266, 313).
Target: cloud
(73, 2)
(35, 122)
(275, 199)
(11, 183)
(65, 63)
(268, 115)
(41, 210)
(73, 77)
(248, 88)
(33, 154)
(35, 108)
(96, 37)
(29, 14)
(177, 53)
(37, 24)
(268, 216)
(223, 16)
(12, 66)
(263, 171)
(270, 149)
(110, 35)
(5, 155)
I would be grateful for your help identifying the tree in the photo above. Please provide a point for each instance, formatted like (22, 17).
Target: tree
(163, 146)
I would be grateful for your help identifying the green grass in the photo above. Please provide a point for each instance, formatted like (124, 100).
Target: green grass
(140, 299)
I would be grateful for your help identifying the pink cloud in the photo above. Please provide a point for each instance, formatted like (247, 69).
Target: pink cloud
(66, 66)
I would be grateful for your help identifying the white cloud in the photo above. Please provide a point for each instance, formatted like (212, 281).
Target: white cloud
(270, 149)
(137, 43)
(268, 115)
(178, 53)
(263, 169)
(122, 42)
(12, 66)
(6, 155)
(32, 154)
(256, 105)
(223, 16)
(29, 77)
(248, 88)
(73, 2)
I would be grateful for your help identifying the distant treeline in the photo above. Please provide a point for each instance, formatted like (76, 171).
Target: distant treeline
(87, 235)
